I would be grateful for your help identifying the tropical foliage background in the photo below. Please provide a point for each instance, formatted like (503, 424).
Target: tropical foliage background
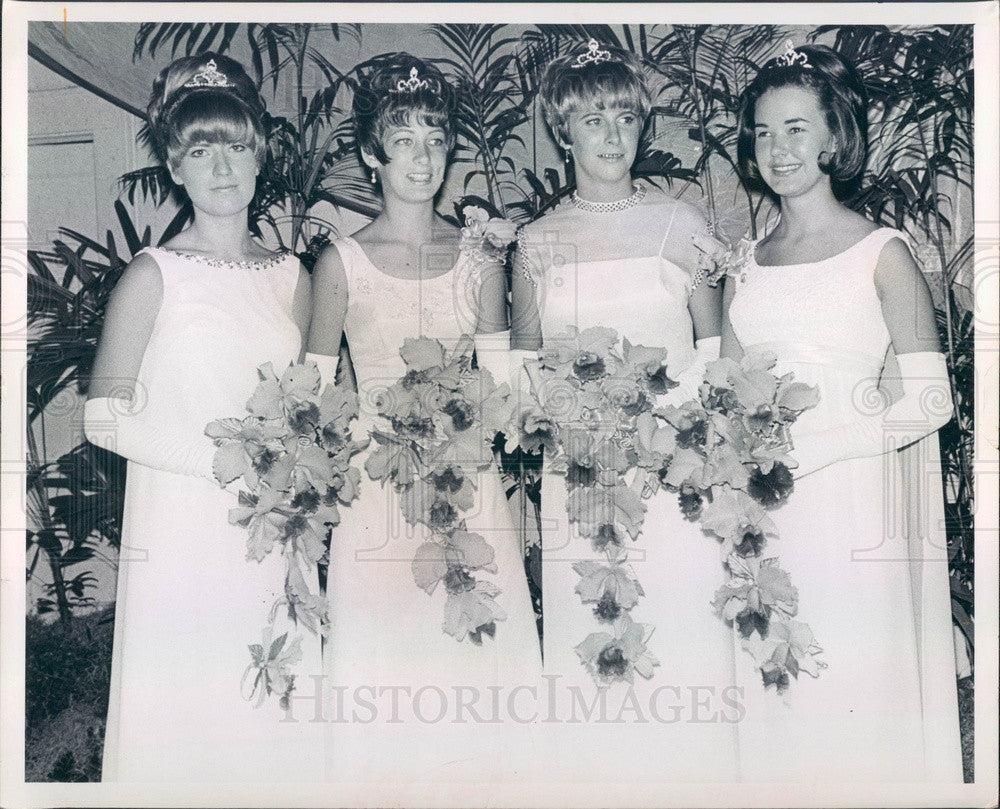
(919, 179)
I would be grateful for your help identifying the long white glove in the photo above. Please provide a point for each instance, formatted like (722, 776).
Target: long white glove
(327, 368)
(111, 423)
(518, 379)
(690, 379)
(925, 407)
(493, 354)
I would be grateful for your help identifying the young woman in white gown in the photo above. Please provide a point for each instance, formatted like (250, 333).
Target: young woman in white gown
(187, 327)
(397, 682)
(620, 254)
(831, 293)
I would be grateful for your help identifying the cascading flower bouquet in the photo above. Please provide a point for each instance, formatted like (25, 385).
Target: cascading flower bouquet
(441, 418)
(727, 456)
(293, 452)
(588, 398)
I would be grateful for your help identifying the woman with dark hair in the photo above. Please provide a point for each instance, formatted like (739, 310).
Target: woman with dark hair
(621, 254)
(390, 664)
(841, 303)
(187, 326)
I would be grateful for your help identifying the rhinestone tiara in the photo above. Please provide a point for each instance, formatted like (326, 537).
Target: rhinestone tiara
(211, 76)
(792, 57)
(412, 84)
(594, 55)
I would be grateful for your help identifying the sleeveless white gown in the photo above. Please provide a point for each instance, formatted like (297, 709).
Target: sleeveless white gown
(864, 545)
(677, 726)
(189, 603)
(409, 705)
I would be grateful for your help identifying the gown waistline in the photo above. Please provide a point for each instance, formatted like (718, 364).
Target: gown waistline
(819, 354)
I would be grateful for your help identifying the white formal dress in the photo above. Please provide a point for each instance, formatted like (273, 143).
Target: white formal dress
(864, 543)
(189, 603)
(408, 704)
(677, 726)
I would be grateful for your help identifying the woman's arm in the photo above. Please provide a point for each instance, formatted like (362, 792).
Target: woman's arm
(526, 325)
(302, 306)
(704, 303)
(128, 323)
(329, 310)
(730, 344)
(926, 403)
(492, 332)
(115, 416)
(907, 307)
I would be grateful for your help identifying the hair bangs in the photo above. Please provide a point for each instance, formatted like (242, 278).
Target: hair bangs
(841, 94)
(212, 118)
(423, 108)
(610, 85)
(424, 114)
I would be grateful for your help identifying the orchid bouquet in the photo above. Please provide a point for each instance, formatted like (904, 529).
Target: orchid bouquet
(293, 452)
(589, 397)
(593, 408)
(441, 418)
(727, 456)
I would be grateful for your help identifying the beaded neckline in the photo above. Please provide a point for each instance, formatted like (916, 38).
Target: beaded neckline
(609, 207)
(263, 264)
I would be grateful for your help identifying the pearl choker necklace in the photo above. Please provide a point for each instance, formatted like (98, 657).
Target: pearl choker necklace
(608, 207)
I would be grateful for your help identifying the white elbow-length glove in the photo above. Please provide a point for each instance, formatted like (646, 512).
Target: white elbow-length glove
(493, 354)
(690, 379)
(327, 368)
(113, 424)
(925, 407)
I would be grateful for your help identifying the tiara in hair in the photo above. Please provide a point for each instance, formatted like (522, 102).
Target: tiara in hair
(209, 77)
(594, 55)
(792, 57)
(412, 84)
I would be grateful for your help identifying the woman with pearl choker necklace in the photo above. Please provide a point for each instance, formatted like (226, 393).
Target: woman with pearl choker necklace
(620, 254)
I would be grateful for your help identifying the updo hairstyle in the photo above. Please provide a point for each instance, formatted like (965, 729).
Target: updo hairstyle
(401, 89)
(193, 102)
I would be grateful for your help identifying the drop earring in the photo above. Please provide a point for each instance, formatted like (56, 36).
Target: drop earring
(568, 155)
(374, 177)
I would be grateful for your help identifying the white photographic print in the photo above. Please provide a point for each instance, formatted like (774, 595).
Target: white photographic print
(499, 405)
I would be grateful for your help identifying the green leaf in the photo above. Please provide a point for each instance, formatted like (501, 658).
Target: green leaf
(276, 645)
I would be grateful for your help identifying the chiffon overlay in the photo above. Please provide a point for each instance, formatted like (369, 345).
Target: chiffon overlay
(408, 703)
(679, 725)
(189, 603)
(864, 543)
